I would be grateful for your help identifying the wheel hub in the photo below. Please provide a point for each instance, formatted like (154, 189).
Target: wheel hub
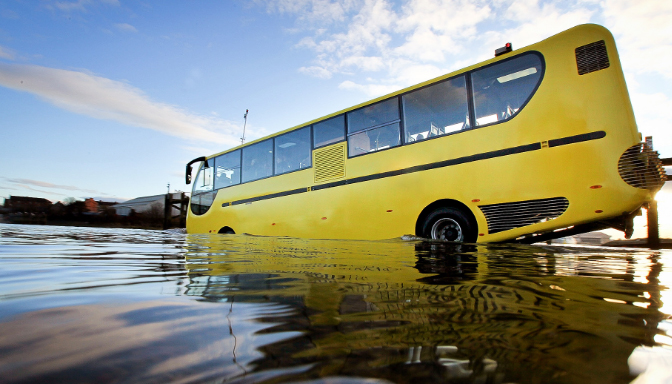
(447, 229)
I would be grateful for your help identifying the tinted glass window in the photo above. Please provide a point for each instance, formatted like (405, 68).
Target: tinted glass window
(329, 131)
(292, 151)
(374, 140)
(227, 169)
(203, 181)
(258, 161)
(502, 89)
(374, 115)
(436, 110)
(201, 203)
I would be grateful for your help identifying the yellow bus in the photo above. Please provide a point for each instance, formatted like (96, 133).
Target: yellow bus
(533, 144)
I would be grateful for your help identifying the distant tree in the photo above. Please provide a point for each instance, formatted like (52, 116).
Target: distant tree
(69, 201)
(155, 211)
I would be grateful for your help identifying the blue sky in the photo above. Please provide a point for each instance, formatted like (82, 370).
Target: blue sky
(110, 98)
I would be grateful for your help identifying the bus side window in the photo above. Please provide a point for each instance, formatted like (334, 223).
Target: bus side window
(329, 131)
(374, 127)
(436, 110)
(257, 161)
(502, 89)
(227, 169)
(292, 151)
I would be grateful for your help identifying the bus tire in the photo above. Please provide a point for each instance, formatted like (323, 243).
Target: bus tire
(227, 231)
(450, 224)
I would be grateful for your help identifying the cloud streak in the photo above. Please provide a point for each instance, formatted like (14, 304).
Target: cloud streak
(6, 54)
(44, 184)
(106, 99)
(124, 27)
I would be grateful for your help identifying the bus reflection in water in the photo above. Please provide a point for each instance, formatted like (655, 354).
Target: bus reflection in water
(535, 144)
(494, 313)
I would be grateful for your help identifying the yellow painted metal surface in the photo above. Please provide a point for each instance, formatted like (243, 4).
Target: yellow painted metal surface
(564, 105)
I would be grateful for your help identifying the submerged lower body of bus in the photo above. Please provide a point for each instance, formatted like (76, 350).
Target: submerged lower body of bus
(528, 193)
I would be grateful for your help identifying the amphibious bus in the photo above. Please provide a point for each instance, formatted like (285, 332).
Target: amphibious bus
(535, 143)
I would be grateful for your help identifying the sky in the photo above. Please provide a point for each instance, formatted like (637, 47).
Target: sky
(111, 98)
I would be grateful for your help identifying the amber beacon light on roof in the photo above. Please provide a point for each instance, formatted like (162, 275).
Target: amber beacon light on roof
(527, 146)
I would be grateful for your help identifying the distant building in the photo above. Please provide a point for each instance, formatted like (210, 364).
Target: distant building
(27, 204)
(91, 205)
(144, 204)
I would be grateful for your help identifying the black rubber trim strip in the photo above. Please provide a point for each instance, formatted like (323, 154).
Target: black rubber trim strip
(425, 167)
(265, 197)
(577, 139)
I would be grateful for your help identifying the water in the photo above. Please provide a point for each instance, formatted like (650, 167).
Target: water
(85, 305)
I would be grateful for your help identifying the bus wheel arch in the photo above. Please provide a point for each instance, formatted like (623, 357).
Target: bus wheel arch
(447, 215)
(227, 231)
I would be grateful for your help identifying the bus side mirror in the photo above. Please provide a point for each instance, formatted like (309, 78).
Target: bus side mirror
(188, 173)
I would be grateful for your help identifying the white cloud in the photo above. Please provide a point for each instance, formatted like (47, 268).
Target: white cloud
(313, 11)
(436, 27)
(107, 99)
(372, 90)
(125, 27)
(644, 33)
(652, 112)
(314, 71)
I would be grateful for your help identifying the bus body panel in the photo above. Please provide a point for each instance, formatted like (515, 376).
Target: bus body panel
(565, 105)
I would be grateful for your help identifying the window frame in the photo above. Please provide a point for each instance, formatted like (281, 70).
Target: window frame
(399, 121)
(240, 167)
(467, 84)
(242, 164)
(312, 132)
(472, 104)
(310, 150)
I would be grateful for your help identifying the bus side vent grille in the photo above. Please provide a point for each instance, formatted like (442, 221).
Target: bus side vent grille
(591, 57)
(329, 163)
(505, 216)
(640, 167)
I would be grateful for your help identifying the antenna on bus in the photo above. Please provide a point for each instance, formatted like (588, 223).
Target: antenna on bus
(242, 139)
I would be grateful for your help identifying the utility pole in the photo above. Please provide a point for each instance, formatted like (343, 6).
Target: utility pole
(242, 139)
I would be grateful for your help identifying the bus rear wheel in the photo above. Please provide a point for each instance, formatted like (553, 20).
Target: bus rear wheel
(450, 224)
(227, 231)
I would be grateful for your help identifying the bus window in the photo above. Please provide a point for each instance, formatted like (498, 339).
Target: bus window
(258, 161)
(374, 140)
(374, 115)
(436, 110)
(203, 181)
(502, 89)
(227, 169)
(329, 131)
(374, 127)
(292, 151)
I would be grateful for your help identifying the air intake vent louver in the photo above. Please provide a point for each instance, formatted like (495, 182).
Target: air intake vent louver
(592, 57)
(640, 167)
(329, 163)
(505, 216)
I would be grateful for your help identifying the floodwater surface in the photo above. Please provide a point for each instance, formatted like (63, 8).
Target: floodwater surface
(88, 305)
